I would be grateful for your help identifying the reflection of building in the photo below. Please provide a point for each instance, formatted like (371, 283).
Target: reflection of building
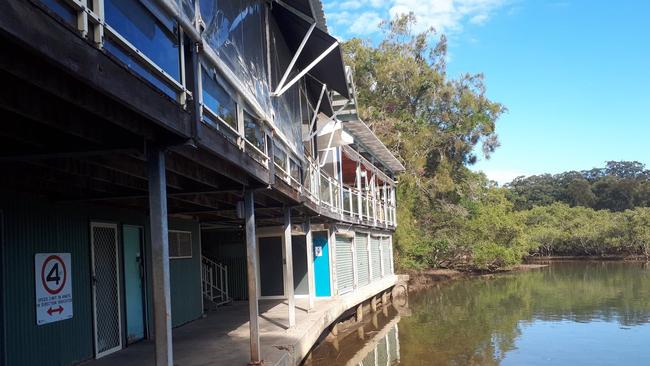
(385, 348)
(372, 342)
(183, 153)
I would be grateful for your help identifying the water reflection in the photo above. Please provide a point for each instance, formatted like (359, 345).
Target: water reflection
(373, 342)
(572, 313)
(565, 314)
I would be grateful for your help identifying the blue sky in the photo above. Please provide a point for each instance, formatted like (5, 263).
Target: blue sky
(575, 75)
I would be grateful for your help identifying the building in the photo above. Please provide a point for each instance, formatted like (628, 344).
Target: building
(162, 157)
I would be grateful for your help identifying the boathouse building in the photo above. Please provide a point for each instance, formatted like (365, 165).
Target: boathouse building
(168, 162)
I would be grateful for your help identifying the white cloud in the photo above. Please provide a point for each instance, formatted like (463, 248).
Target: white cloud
(445, 16)
(366, 23)
(351, 5)
(479, 19)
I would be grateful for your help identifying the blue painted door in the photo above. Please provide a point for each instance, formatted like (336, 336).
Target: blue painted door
(133, 283)
(321, 264)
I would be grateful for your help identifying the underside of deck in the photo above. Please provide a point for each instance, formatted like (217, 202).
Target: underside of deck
(222, 337)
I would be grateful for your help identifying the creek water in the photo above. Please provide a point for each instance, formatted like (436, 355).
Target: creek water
(569, 313)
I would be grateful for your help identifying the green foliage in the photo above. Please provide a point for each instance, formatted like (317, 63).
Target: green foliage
(450, 216)
(619, 186)
(434, 124)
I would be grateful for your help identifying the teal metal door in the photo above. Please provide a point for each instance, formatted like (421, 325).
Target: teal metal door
(321, 264)
(134, 283)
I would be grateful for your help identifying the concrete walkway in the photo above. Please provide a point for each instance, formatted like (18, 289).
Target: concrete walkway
(222, 338)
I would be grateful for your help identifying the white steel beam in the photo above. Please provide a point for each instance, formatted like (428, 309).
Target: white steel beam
(294, 59)
(307, 69)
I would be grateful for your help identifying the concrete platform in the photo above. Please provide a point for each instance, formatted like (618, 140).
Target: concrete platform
(222, 338)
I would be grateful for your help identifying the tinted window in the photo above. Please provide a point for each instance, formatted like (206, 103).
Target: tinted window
(253, 132)
(155, 36)
(218, 99)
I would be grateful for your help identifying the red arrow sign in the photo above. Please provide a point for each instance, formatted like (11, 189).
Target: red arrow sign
(55, 310)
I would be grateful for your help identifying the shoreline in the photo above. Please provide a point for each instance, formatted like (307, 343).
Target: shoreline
(607, 257)
(419, 280)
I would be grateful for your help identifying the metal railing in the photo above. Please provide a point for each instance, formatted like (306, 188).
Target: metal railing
(316, 185)
(327, 191)
(214, 281)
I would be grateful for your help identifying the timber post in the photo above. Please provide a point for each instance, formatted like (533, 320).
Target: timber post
(251, 270)
(310, 263)
(288, 266)
(160, 255)
(360, 312)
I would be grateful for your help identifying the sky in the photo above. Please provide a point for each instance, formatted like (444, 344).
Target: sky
(574, 75)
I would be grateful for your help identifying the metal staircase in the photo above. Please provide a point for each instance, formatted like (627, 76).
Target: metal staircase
(214, 282)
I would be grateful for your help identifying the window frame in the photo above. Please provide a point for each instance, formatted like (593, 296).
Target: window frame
(191, 244)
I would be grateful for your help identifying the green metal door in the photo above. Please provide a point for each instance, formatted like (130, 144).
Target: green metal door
(134, 283)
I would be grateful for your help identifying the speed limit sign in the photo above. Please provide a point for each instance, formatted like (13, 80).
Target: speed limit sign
(53, 278)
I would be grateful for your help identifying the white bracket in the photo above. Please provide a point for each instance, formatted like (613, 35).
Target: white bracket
(306, 69)
(294, 59)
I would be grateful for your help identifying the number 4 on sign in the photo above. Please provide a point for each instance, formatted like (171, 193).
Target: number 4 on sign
(53, 275)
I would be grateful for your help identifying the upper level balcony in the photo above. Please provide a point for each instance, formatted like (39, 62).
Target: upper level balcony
(265, 78)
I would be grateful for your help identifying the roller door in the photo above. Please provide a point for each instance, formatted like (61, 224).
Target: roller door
(344, 264)
(375, 258)
(386, 257)
(363, 266)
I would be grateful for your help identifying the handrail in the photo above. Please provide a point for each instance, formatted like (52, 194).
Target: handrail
(214, 281)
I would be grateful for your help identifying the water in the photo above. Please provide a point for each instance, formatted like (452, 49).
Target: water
(570, 313)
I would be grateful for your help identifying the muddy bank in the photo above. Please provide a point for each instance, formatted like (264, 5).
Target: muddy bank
(607, 257)
(424, 279)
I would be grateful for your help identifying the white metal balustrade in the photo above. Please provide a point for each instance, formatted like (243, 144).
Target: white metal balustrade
(364, 205)
(214, 281)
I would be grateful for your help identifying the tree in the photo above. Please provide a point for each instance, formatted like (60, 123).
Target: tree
(579, 193)
(435, 125)
(625, 169)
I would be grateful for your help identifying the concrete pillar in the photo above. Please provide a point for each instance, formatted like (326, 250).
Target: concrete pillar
(335, 329)
(288, 267)
(360, 313)
(251, 271)
(361, 333)
(373, 304)
(160, 256)
(311, 279)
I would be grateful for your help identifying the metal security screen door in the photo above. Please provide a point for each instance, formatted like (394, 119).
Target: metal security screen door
(106, 289)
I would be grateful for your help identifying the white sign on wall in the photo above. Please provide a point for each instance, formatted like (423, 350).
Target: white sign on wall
(53, 277)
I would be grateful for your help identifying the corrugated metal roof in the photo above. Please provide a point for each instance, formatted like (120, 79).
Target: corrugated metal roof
(368, 139)
(361, 132)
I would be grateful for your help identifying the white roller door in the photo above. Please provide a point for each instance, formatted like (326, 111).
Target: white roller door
(363, 267)
(344, 264)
